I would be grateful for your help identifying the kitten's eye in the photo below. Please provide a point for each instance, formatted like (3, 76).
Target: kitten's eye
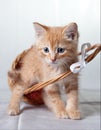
(46, 50)
(60, 50)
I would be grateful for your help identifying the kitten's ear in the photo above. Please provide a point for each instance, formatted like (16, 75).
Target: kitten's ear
(40, 30)
(70, 32)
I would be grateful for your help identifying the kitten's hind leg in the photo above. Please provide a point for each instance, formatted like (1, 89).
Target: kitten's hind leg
(53, 100)
(14, 105)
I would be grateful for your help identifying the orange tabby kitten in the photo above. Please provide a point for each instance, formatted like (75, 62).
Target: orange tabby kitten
(52, 54)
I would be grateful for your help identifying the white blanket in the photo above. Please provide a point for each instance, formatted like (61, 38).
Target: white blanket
(40, 118)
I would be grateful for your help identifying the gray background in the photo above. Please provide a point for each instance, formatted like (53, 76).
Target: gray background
(17, 32)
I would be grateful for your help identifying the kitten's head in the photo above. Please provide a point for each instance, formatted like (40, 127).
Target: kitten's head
(57, 45)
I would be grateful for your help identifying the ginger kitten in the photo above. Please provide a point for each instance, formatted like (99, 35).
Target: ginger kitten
(55, 49)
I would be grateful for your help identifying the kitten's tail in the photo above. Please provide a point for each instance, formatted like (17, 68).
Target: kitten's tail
(14, 75)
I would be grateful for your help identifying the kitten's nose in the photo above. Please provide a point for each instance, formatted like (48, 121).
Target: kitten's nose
(53, 59)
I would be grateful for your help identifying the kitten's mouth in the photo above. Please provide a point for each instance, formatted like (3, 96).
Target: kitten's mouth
(52, 63)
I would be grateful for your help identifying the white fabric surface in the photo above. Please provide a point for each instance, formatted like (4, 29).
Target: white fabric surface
(40, 118)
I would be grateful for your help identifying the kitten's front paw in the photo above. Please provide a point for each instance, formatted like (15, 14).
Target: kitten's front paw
(13, 111)
(74, 114)
(62, 115)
